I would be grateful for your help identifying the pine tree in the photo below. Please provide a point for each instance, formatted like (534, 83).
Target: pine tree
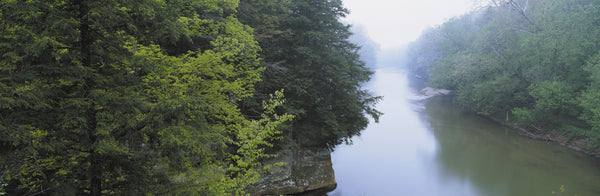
(308, 54)
(128, 97)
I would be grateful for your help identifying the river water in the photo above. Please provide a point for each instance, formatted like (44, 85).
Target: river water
(429, 146)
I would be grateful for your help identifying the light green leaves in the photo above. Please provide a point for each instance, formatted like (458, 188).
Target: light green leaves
(129, 97)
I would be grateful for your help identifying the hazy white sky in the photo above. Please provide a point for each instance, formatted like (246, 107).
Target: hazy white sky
(396, 22)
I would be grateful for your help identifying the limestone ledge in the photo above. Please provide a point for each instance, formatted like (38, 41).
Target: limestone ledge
(307, 170)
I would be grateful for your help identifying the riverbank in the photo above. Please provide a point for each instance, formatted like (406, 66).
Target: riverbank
(576, 143)
(436, 147)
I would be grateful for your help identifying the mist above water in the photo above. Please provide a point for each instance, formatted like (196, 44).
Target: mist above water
(430, 146)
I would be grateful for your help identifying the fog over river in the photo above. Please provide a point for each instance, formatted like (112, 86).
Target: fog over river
(429, 146)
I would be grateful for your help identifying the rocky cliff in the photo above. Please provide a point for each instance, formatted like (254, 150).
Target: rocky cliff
(307, 171)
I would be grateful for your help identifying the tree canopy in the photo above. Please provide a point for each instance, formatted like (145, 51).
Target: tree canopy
(129, 97)
(168, 97)
(533, 59)
(307, 52)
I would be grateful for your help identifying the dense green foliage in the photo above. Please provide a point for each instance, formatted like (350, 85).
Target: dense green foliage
(129, 97)
(307, 53)
(534, 62)
(157, 97)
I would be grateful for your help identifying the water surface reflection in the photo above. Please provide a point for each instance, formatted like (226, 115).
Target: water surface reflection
(498, 161)
(432, 147)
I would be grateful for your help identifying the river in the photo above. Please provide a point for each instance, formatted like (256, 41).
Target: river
(429, 146)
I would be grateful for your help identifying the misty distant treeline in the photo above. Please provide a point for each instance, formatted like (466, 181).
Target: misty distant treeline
(368, 49)
(534, 62)
(161, 97)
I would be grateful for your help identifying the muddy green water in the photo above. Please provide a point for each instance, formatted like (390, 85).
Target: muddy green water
(429, 146)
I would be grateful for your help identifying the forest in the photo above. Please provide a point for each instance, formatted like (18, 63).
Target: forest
(532, 63)
(170, 97)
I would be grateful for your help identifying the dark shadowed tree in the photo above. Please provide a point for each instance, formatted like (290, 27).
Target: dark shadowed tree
(308, 54)
(129, 98)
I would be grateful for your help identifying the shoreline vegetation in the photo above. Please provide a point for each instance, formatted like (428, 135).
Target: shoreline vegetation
(575, 143)
(532, 65)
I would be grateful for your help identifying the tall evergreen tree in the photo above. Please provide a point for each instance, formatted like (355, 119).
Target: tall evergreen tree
(308, 54)
(128, 97)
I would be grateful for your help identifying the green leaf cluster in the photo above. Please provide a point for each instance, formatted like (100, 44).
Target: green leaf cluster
(2, 185)
(129, 98)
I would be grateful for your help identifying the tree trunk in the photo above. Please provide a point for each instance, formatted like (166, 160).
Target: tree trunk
(86, 40)
(95, 171)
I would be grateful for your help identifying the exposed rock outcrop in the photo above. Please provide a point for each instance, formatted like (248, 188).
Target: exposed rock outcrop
(306, 171)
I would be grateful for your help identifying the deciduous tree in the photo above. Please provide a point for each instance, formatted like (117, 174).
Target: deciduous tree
(128, 97)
